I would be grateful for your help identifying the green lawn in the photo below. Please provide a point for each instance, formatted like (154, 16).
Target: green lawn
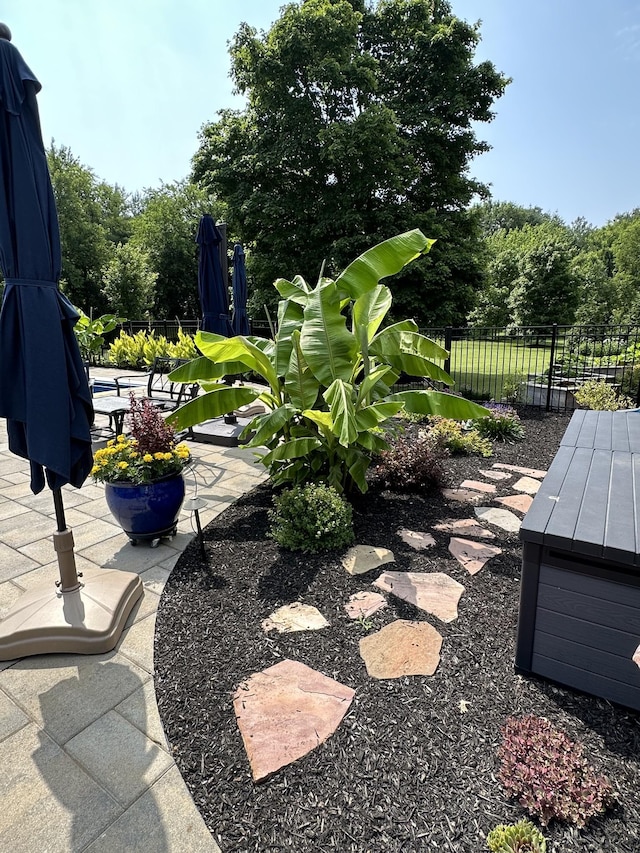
(481, 367)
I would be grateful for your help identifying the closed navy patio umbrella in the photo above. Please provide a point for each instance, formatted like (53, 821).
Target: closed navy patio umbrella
(44, 392)
(240, 319)
(211, 285)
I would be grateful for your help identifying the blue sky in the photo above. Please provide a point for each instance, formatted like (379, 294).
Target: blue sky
(128, 83)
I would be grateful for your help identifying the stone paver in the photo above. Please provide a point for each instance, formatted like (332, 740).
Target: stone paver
(478, 486)
(499, 518)
(48, 802)
(463, 495)
(433, 592)
(466, 526)
(285, 711)
(471, 555)
(518, 469)
(520, 503)
(400, 649)
(416, 539)
(528, 485)
(294, 617)
(364, 558)
(365, 603)
(494, 475)
(125, 760)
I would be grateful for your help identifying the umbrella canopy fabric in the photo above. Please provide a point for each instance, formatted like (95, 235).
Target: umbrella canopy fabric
(213, 292)
(44, 392)
(240, 319)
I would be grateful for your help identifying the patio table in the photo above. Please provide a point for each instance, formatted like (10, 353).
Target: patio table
(116, 408)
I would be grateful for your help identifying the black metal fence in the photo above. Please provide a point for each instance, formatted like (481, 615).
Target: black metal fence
(539, 366)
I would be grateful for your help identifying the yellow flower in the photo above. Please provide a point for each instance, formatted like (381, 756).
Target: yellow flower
(147, 457)
(134, 454)
(123, 465)
(120, 438)
(95, 470)
(110, 442)
(158, 455)
(168, 456)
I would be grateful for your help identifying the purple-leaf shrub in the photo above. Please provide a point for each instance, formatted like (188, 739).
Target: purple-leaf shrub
(148, 427)
(411, 463)
(546, 771)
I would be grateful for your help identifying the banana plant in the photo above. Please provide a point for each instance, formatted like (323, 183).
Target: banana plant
(328, 374)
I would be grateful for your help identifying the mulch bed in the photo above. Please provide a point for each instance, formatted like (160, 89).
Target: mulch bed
(408, 769)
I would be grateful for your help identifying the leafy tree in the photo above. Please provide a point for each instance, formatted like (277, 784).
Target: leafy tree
(83, 230)
(495, 216)
(165, 229)
(358, 124)
(530, 280)
(329, 372)
(129, 282)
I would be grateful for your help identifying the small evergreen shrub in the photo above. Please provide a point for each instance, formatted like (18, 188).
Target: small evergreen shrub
(411, 464)
(512, 385)
(311, 518)
(450, 435)
(545, 770)
(521, 837)
(600, 396)
(503, 424)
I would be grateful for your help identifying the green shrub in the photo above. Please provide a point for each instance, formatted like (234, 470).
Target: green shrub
(140, 350)
(450, 435)
(503, 424)
(409, 465)
(311, 518)
(512, 385)
(521, 837)
(185, 346)
(600, 396)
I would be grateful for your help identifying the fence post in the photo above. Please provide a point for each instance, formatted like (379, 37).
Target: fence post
(552, 358)
(447, 346)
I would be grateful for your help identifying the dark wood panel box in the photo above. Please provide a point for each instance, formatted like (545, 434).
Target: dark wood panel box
(579, 620)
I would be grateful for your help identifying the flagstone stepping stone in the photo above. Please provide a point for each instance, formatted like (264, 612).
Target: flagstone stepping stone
(477, 486)
(433, 592)
(294, 617)
(416, 539)
(468, 526)
(365, 603)
(499, 518)
(285, 711)
(402, 648)
(495, 475)
(528, 485)
(472, 556)
(365, 558)
(518, 469)
(462, 495)
(520, 503)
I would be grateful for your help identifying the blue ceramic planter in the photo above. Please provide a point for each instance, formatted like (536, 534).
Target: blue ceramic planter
(146, 511)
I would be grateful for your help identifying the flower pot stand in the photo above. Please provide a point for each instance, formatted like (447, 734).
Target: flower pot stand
(147, 512)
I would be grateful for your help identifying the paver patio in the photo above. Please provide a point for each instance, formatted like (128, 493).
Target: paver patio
(86, 765)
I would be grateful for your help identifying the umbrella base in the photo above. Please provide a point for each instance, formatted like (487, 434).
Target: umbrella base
(217, 431)
(88, 620)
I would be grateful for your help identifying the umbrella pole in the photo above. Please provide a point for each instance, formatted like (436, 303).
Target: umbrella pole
(63, 545)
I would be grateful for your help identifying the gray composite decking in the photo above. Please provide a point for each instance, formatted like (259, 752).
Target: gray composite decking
(579, 618)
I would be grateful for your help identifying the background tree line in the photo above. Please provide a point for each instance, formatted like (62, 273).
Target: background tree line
(359, 124)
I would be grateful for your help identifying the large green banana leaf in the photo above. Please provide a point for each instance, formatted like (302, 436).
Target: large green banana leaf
(296, 290)
(290, 316)
(385, 259)
(399, 338)
(372, 416)
(239, 349)
(268, 425)
(440, 403)
(328, 347)
(212, 405)
(294, 449)
(299, 382)
(369, 310)
(203, 368)
(380, 378)
(339, 397)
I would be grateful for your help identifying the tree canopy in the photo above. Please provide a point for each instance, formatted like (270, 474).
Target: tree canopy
(358, 125)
